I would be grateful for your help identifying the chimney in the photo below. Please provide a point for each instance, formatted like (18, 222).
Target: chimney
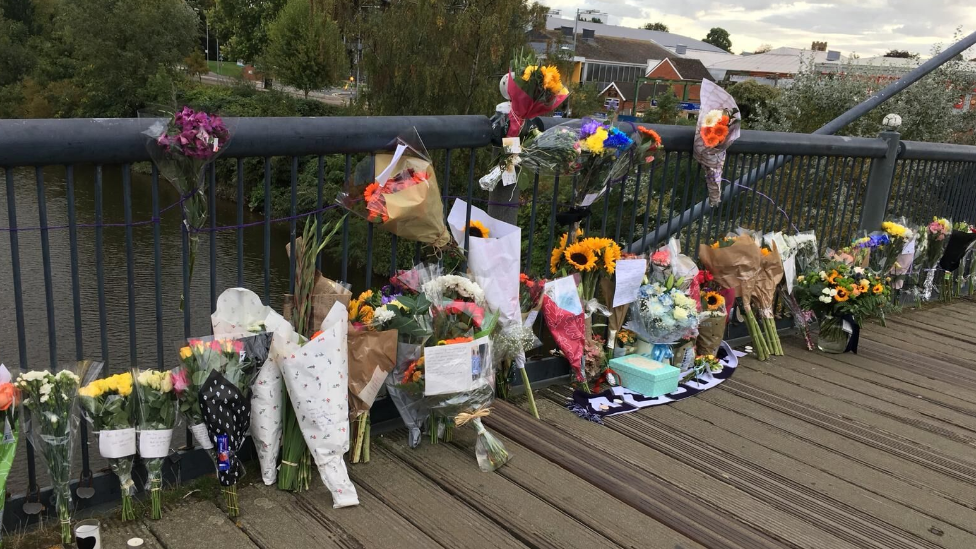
(819, 46)
(681, 49)
(567, 31)
(833, 55)
(589, 34)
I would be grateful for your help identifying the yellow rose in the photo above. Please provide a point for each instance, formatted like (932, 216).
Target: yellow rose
(185, 353)
(166, 383)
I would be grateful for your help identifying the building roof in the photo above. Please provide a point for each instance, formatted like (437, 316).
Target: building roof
(690, 69)
(619, 50)
(626, 90)
(664, 39)
(777, 61)
(706, 57)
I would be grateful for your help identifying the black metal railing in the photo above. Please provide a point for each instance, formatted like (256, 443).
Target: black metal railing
(111, 250)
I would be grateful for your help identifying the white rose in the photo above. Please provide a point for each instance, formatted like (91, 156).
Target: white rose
(46, 388)
(44, 398)
(823, 275)
(826, 291)
(833, 293)
(680, 313)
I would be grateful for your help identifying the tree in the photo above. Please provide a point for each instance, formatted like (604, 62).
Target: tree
(119, 55)
(304, 49)
(596, 20)
(901, 54)
(584, 100)
(196, 65)
(448, 63)
(242, 25)
(763, 48)
(656, 27)
(752, 97)
(719, 38)
(926, 107)
(666, 110)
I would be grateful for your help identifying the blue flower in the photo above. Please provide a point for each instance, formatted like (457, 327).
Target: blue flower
(618, 140)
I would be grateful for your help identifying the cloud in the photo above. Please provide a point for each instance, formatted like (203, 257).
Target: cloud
(868, 27)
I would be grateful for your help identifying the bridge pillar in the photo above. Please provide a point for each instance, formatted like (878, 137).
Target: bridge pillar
(879, 184)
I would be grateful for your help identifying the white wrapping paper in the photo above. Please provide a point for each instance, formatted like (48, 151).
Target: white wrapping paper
(494, 262)
(238, 311)
(316, 376)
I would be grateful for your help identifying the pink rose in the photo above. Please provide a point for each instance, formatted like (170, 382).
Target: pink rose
(181, 381)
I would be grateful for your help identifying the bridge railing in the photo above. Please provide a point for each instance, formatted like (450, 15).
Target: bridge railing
(111, 279)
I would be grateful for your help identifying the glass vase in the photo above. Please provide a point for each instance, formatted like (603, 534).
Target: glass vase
(832, 337)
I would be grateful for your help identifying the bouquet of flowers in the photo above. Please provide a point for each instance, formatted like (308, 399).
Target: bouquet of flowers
(533, 89)
(932, 240)
(770, 275)
(842, 297)
(718, 127)
(795, 251)
(316, 373)
(156, 392)
(563, 312)
(109, 406)
(181, 147)
(662, 317)
(898, 236)
(592, 258)
(372, 356)
(712, 315)
(704, 366)
(50, 423)
(608, 152)
(399, 193)
(240, 312)
(959, 246)
(736, 262)
(9, 423)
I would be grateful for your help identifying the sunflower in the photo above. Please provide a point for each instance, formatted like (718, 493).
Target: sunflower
(865, 285)
(610, 256)
(551, 79)
(832, 276)
(527, 73)
(878, 288)
(714, 301)
(477, 229)
(842, 294)
(580, 257)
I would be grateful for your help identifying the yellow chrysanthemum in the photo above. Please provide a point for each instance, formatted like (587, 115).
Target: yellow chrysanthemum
(477, 229)
(580, 257)
(527, 73)
(366, 314)
(594, 143)
(353, 309)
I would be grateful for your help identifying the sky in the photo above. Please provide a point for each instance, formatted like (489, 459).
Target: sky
(865, 27)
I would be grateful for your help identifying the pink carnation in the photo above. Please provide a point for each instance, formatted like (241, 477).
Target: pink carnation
(661, 258)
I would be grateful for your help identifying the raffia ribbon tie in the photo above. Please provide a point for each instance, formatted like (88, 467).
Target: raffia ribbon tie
(283, 462)
(465, 417)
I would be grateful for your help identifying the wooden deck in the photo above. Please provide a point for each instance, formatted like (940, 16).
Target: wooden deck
(812, 451)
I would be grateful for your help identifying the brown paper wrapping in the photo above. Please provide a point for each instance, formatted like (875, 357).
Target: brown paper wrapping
(371, 355)
(711, 331)
(735, 267)
(415, 213)
(770, 275)
(325, 294)
(618, 315)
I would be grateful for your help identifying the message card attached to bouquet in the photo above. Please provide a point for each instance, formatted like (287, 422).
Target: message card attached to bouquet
(563, 292)
(628, 276)
(455, 368)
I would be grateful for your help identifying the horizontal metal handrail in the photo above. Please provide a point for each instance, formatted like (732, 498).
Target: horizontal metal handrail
(919, 150)
(120, 140)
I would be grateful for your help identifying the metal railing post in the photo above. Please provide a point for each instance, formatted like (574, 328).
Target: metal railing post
(879, 184)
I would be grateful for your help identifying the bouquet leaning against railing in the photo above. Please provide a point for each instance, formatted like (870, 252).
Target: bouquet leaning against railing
(51, 426)
(156, 392)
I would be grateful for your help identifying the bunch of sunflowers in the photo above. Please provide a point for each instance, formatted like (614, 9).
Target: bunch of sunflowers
(592, 258)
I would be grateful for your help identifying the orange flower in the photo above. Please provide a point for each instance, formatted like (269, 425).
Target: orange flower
(842, 294)
(9, 396)
(653, 135)
(373, 190)
(878, 288)
(765, 251)
(725, 120)
(721, 132)
(832, 276)
(709, 136)
(452, 341)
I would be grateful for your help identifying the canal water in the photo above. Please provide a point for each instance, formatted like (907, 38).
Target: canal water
(37, 333)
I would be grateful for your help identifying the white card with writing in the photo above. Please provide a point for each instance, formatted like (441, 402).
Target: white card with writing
(447, 369)
(155, 443)
(368, 394)
(628, 276)
(117, 443)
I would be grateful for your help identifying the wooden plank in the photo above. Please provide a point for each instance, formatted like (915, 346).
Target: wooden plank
(907, 342)
(859, 470)
(818, 493)
(273, 519)
(853, 421)
(588, 504)
(726, 499)
(883, 393)
(195, 524)
(896, 465)
(684, 512)
(115, 534)
(495, 496)
(370, 524)
(429, 508)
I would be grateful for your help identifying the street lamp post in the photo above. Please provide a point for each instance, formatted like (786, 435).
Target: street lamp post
(576, 23)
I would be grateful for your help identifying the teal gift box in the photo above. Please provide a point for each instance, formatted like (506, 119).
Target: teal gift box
(645, 375)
